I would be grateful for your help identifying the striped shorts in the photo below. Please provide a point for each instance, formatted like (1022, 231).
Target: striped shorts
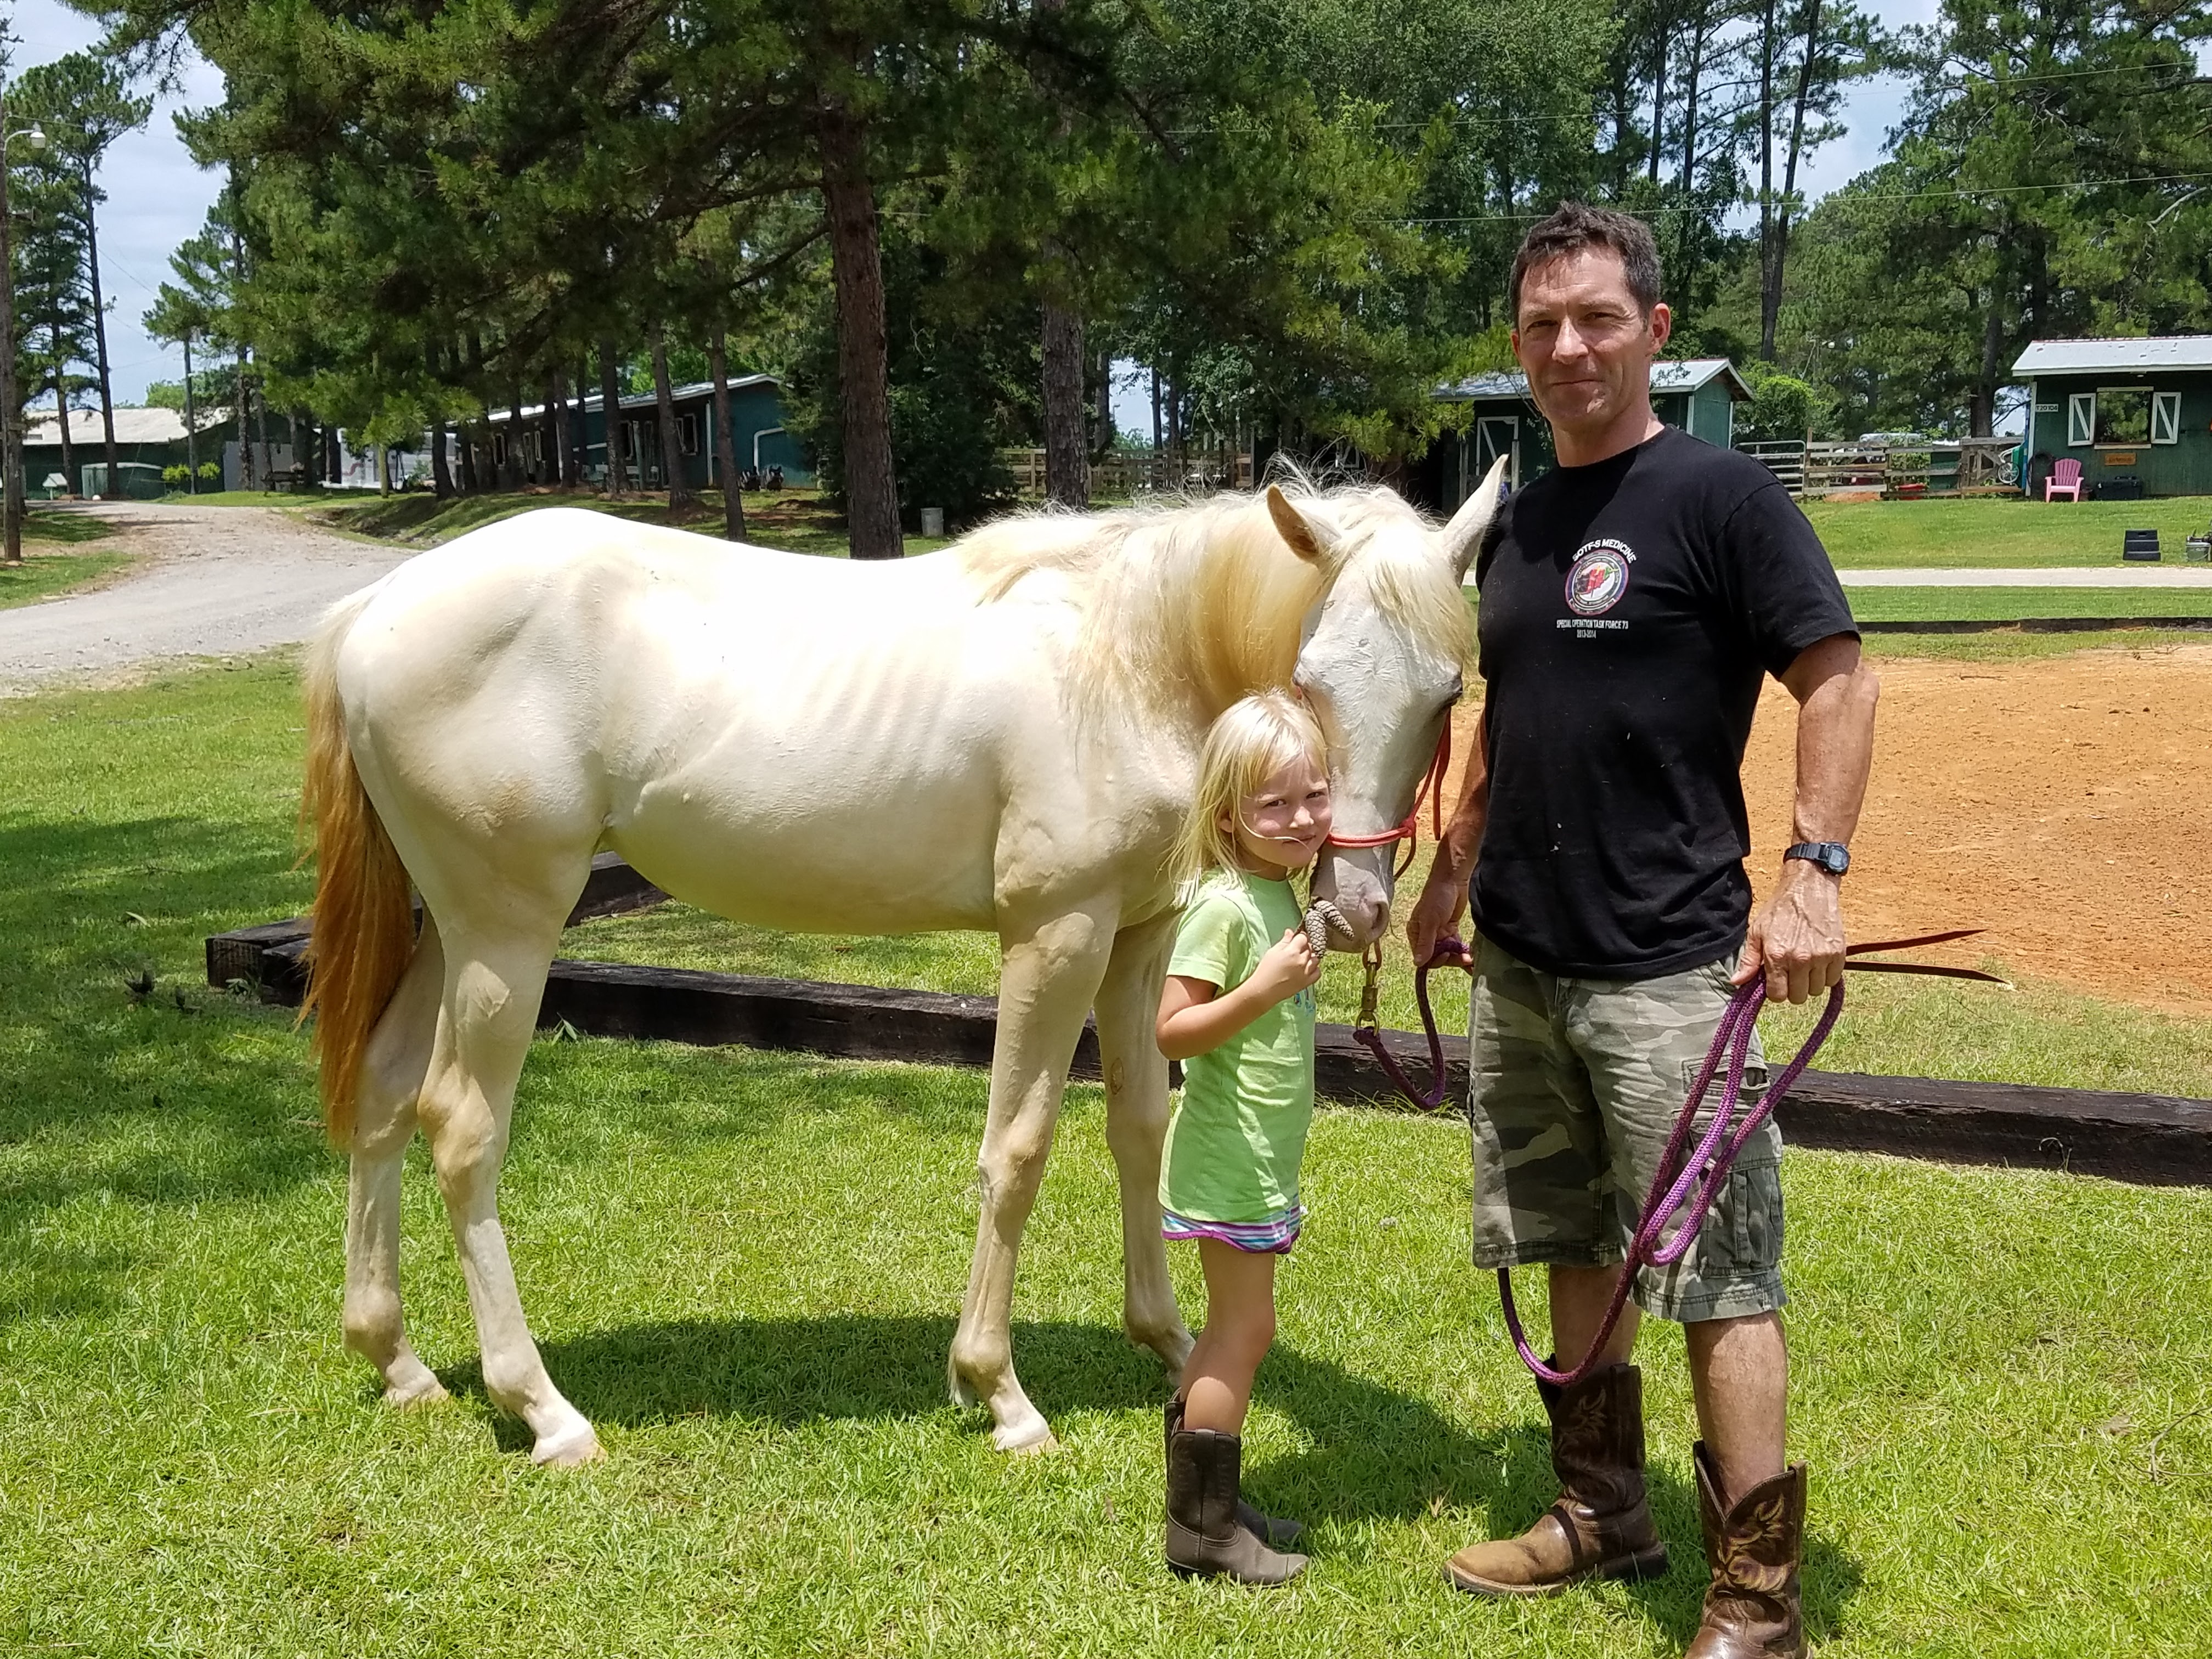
(1272, 1237)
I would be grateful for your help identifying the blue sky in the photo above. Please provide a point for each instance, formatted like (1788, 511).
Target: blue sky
(157, 198)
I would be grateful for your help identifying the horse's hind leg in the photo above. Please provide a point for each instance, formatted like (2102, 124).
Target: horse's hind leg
(489, 998)
(1045, 988)
(1136, 1124)
(391, 1076)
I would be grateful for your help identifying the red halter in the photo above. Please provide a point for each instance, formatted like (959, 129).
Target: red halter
(1431, 790)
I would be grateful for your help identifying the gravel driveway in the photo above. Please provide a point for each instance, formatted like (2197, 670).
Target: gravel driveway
(212, 581)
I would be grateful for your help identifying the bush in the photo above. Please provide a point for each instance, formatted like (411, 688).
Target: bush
(177, 477)
(1782, 406)
(211, 472)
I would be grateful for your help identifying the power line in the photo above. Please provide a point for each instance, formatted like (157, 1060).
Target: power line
(1838, 196)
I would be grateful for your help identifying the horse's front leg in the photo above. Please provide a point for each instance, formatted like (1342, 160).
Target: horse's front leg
(1045, 988)
(1136, 1124)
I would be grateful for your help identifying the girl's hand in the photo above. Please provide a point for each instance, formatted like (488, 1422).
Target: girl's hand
(1289, 966)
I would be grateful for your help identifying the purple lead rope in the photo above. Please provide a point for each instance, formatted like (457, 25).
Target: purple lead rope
(1678, 1180)
(1700, 1174)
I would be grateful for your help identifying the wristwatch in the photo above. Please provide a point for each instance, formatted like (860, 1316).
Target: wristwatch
(1831, 855)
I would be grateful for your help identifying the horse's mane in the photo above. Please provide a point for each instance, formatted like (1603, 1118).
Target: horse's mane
(1200, 602)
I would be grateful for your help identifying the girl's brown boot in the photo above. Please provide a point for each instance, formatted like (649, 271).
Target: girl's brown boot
(1204, 1539)
(1273, 1530)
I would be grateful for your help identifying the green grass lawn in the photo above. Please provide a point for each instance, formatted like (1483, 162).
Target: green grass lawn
(2010, 644)
(48, 570)
(745, 1267)
(1999, 531)
(2012, 604)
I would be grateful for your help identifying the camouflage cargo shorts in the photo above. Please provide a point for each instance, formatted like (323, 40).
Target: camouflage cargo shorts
(1576, 1085)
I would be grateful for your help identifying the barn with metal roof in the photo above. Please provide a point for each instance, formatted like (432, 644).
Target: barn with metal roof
(2135, 413)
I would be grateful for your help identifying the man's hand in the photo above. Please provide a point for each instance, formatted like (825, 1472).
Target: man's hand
(1437, 911)
(1797, 940)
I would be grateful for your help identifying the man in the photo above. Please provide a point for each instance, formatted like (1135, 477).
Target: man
(1632, 601)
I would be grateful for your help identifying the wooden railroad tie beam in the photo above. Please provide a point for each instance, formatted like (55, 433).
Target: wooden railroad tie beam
(2150, 1139)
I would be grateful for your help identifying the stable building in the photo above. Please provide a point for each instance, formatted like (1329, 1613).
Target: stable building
(2135, 413)
(1697, 394)
(146, 440)
(755, 423)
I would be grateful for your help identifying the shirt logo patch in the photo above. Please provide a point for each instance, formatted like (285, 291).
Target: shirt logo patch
(1598, 577)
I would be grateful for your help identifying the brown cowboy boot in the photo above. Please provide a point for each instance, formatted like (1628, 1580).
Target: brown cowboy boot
(1752, 1607)
(1203, 1537)
(1600, 1527)
(1270, 1529)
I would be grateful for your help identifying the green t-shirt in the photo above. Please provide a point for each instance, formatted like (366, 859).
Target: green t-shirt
(1239, 1132)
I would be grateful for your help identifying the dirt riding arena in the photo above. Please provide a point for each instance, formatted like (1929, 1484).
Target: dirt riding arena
(2062, 803)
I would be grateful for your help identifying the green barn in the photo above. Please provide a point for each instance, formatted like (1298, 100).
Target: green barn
(2136, 414)
(1698, 394)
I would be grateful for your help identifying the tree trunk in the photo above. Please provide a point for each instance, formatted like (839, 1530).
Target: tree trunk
(1156, 469)
(678, 478)
(334, 456)
(61, 408)
(1982, 415)
(1659, 25)
(1767, 295)
(572, 455)
(725, 441)
(471, 474)
(871, 509)
(245, 427)
(1771, 301)
(99, 339)
(1066, 467)
(1686, 260)
(1104, 436)
(548, 432)
(610, 417)
(515, 474)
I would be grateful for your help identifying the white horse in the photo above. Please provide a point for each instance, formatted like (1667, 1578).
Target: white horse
(1001, 735)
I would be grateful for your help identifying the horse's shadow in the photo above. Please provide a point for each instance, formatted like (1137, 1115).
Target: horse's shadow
(1370, 1451)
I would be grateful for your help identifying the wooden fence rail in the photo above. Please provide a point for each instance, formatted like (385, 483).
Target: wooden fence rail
(1959, 466)
(1128, 474)
(2152, 1140)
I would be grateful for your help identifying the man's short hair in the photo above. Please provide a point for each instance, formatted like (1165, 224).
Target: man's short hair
(1577, 225)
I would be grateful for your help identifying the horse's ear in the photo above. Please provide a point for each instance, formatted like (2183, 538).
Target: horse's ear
(1464, 535)
(1308, 540)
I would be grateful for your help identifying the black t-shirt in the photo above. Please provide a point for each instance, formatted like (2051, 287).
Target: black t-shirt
(1629, 610)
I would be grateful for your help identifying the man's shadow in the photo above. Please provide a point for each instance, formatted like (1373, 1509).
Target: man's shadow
(1370, 1451)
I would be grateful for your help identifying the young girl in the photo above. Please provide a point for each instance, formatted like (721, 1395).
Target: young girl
(1237, 1010)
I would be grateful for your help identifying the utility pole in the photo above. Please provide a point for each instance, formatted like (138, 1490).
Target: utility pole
(192, 449)
(11, 406)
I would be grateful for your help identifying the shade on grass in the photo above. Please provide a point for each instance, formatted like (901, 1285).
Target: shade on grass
(47, 571)
(746, 1269)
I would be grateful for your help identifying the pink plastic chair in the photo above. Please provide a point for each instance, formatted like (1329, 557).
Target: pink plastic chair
(2065, 480)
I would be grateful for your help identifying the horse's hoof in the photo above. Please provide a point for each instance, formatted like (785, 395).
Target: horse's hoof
(1023, 1437)
(568, 1450)
(413, 1392)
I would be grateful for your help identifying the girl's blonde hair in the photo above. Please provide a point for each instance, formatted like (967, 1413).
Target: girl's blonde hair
(1256, 738)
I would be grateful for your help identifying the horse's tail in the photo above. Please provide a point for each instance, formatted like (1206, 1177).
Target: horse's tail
(364, 924)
